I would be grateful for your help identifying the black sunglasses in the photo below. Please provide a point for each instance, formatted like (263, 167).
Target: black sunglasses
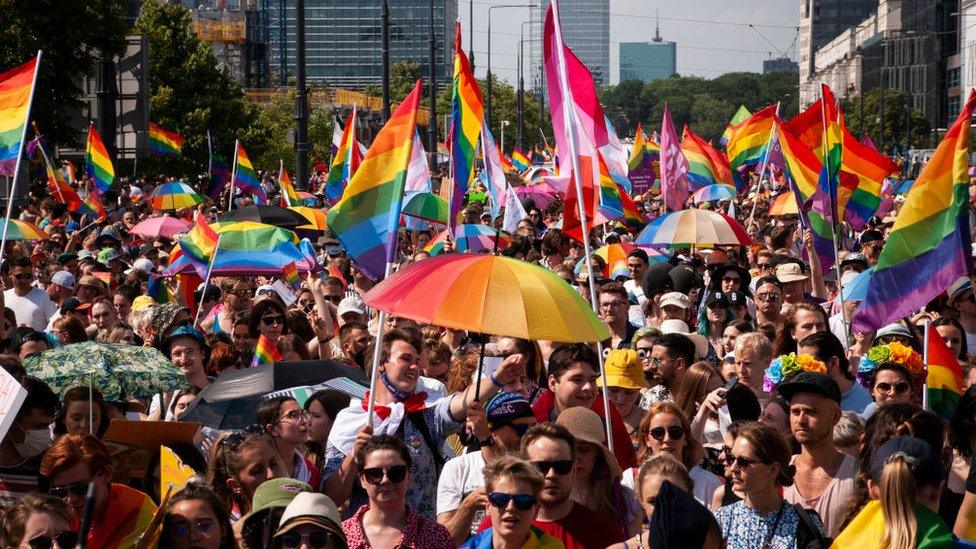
(900, 388)
(333, 298)
(500, 500)
(233, 440)
(317, 539)
(64, 539)
(519, 428)
(561, 466)
(270, 320)
(374, 475)
(674, 431)
(79, 489)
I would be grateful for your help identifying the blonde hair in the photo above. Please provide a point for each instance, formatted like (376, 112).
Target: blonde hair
(755, 341)
(665, 465)
(897, 495)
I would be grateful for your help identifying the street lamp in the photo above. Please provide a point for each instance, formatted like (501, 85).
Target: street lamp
(488, 103)
(504, 123)
(520, 97)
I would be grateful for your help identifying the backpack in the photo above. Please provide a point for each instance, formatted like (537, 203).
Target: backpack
(808, 535)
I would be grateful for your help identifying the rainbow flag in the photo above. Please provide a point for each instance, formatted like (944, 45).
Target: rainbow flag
(706, 166)
(506, 162)
(944, 383)
(58, 187)
(367, 217)
(288, 195)
(467, 117)
(748, 144)
(245, 177)
(199, 245)
(265, 352)
(345, 161)
(92, 205)
(158, 291)
(739, 116)
(443, 149)
(929, 246)
(98, 166)
(290, 272)
(128, 514)
(639, 150)
(831, 154)
(519, 160)
(16, 91)
(218, 170)
(164, 142)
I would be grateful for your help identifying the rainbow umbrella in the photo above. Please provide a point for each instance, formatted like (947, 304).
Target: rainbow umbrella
(489, 294)
(427, 206)
(784, 204)
(536, 173)
(714, 193)
(174, 196)
(24, 230)
(694, 227)
(474, 237)
(541, 195)
(164, 226)
(315, 217)
(248, 248)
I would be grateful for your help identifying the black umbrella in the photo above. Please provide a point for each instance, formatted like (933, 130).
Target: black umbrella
(269, 215)
(231, 400)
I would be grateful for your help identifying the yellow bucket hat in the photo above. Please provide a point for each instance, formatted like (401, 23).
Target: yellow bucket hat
(623, 368)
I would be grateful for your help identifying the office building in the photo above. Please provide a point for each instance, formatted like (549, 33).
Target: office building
(586, 29)
(780, 64)
(647, 61)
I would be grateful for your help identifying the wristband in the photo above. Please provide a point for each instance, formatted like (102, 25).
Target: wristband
(495, 381)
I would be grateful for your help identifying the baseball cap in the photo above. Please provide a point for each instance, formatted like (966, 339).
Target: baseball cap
(66, 257)
(854, 257)
(142, 302)
(310, 508)
(918, 454)
(672, 326)
(810, 382)
(350, 304)
(623, 368)
(505, 407)
(64, 279)
(677, 299)
(716, 297)
(790, 272)
(141, 264)
(275, 493)
(736, 299)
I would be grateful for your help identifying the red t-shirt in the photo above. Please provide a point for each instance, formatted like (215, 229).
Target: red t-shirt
(582, 528)
(623, 448)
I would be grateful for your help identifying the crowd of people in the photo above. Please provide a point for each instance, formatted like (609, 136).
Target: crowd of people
(742, 409)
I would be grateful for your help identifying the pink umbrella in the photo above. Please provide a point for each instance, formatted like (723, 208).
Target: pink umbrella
(541, 195)
(164, 226)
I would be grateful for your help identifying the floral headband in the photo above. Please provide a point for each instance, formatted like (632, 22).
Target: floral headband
(787, 365)
(895, 352)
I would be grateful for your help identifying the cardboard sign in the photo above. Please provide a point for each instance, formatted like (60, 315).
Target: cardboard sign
(12, 395)
(173, 473)
(150, 435)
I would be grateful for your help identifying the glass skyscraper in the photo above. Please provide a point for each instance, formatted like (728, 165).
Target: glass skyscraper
(586, 30)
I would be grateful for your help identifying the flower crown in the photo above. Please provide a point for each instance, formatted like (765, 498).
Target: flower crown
(787, 365)
(891, 352)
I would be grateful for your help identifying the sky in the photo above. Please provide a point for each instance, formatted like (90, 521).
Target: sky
(713, 36)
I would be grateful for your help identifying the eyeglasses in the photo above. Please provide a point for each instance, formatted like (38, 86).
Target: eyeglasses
(79, 488)
(519, 428)
(233, 440)
(773, 296)
(374, 475)
(333, 298)
(500, 500)
(612, 304)
(741, 462)
(676, 432)
(762, 266)
(271, 320)
(23, 276)
(295, 415)
(730, 279)
(900, 388)
(561, 466)
(317, 539)
(203, 527)
(64, 539)
(644, 353)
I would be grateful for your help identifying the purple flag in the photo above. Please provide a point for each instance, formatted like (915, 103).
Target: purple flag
(674, 166)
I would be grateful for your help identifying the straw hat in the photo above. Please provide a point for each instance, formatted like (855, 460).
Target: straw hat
(587, 426)
(623, 369)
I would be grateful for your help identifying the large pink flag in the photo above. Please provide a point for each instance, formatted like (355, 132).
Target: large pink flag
(674, 166)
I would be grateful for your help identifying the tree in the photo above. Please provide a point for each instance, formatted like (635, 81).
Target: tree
(863, 117)
(277, 120)
(72, 33)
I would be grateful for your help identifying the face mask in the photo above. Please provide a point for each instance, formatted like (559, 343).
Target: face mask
(35, 442)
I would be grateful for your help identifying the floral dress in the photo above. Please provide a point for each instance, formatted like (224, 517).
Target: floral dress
(744, 528)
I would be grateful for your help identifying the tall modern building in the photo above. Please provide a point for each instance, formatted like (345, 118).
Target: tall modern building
(586, 29)
(823, 20)
(647, 61)
(780, 64)
(343, 40)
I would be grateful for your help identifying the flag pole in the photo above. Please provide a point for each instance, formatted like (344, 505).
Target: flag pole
(47, 160)
(20, 154)
(568, 122)
(284, 195)
(233, 177)
(834, 221)
(925, 360)
(209, 160)
(762, 170)
(206, 281)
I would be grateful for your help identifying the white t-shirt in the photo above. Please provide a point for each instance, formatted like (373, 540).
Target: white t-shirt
(33, 309)
(461, 476)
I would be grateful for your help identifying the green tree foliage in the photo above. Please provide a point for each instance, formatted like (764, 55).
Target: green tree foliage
(71, 33)
(863, 117)
(705, 105)
(277, 120)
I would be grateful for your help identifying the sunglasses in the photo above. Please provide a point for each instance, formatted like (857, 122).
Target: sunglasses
(22, 276)
(767, 297)
(900, 388)
(204, 527)
(644, 353)
(333, 298)
(271, 320)
(741, 462)
(500, 500)
(64, 539)
(317, 539)
(561, 466)
(79, 489)
(233, 440)
(519, 428)
(395, 474)
(730, 279)
(676, 432)
(242, 293)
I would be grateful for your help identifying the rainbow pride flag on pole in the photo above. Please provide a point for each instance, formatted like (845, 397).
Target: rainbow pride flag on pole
(345, 160)
(265, 352)
(98, 165)
(367, 216)
(199, 245)
(748, 144)
(290, 273)
(739, 116)
(164, 142)
(246, 178)
(706, 166)
(929, 246)
(519, 160)
(288, 195)
(944, 382)
(467, 117)
(16, 93)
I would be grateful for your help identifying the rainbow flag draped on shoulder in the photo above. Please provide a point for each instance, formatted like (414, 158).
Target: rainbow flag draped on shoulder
(98, 165)
(944, 382)
(929, 246)
(245, 177)
(16, 90)
(467, 117)
(163, 142)
(367, 216)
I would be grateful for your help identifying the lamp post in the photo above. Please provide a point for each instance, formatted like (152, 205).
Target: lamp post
(432, 82)
(504, 124)
(471, 34)
(301, 101)
(488, 102)
(385, 24)
(520, 97)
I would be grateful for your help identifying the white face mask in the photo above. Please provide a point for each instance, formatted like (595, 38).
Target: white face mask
(35, 442)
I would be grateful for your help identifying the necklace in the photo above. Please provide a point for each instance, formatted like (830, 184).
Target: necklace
(772, 531)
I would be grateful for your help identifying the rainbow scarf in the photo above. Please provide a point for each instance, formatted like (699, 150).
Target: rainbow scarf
(246, 178)
(265, 352)
(16, 90)
(467, 117)
(98, 165)
(164, 142)
(125, 519)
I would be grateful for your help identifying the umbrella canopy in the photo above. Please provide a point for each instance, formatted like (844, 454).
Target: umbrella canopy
(784, 204)
(535, 174)
(694, 227)
(119, 371)
(489, 294)
(857, 289)
(23, 230)
(248, 248)
(315, 218)
(174, 196)
(269, 215)
(164, 226)
(475, 237)
(427, 206)
(231, 400)
(714, 193)
(541, 195)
